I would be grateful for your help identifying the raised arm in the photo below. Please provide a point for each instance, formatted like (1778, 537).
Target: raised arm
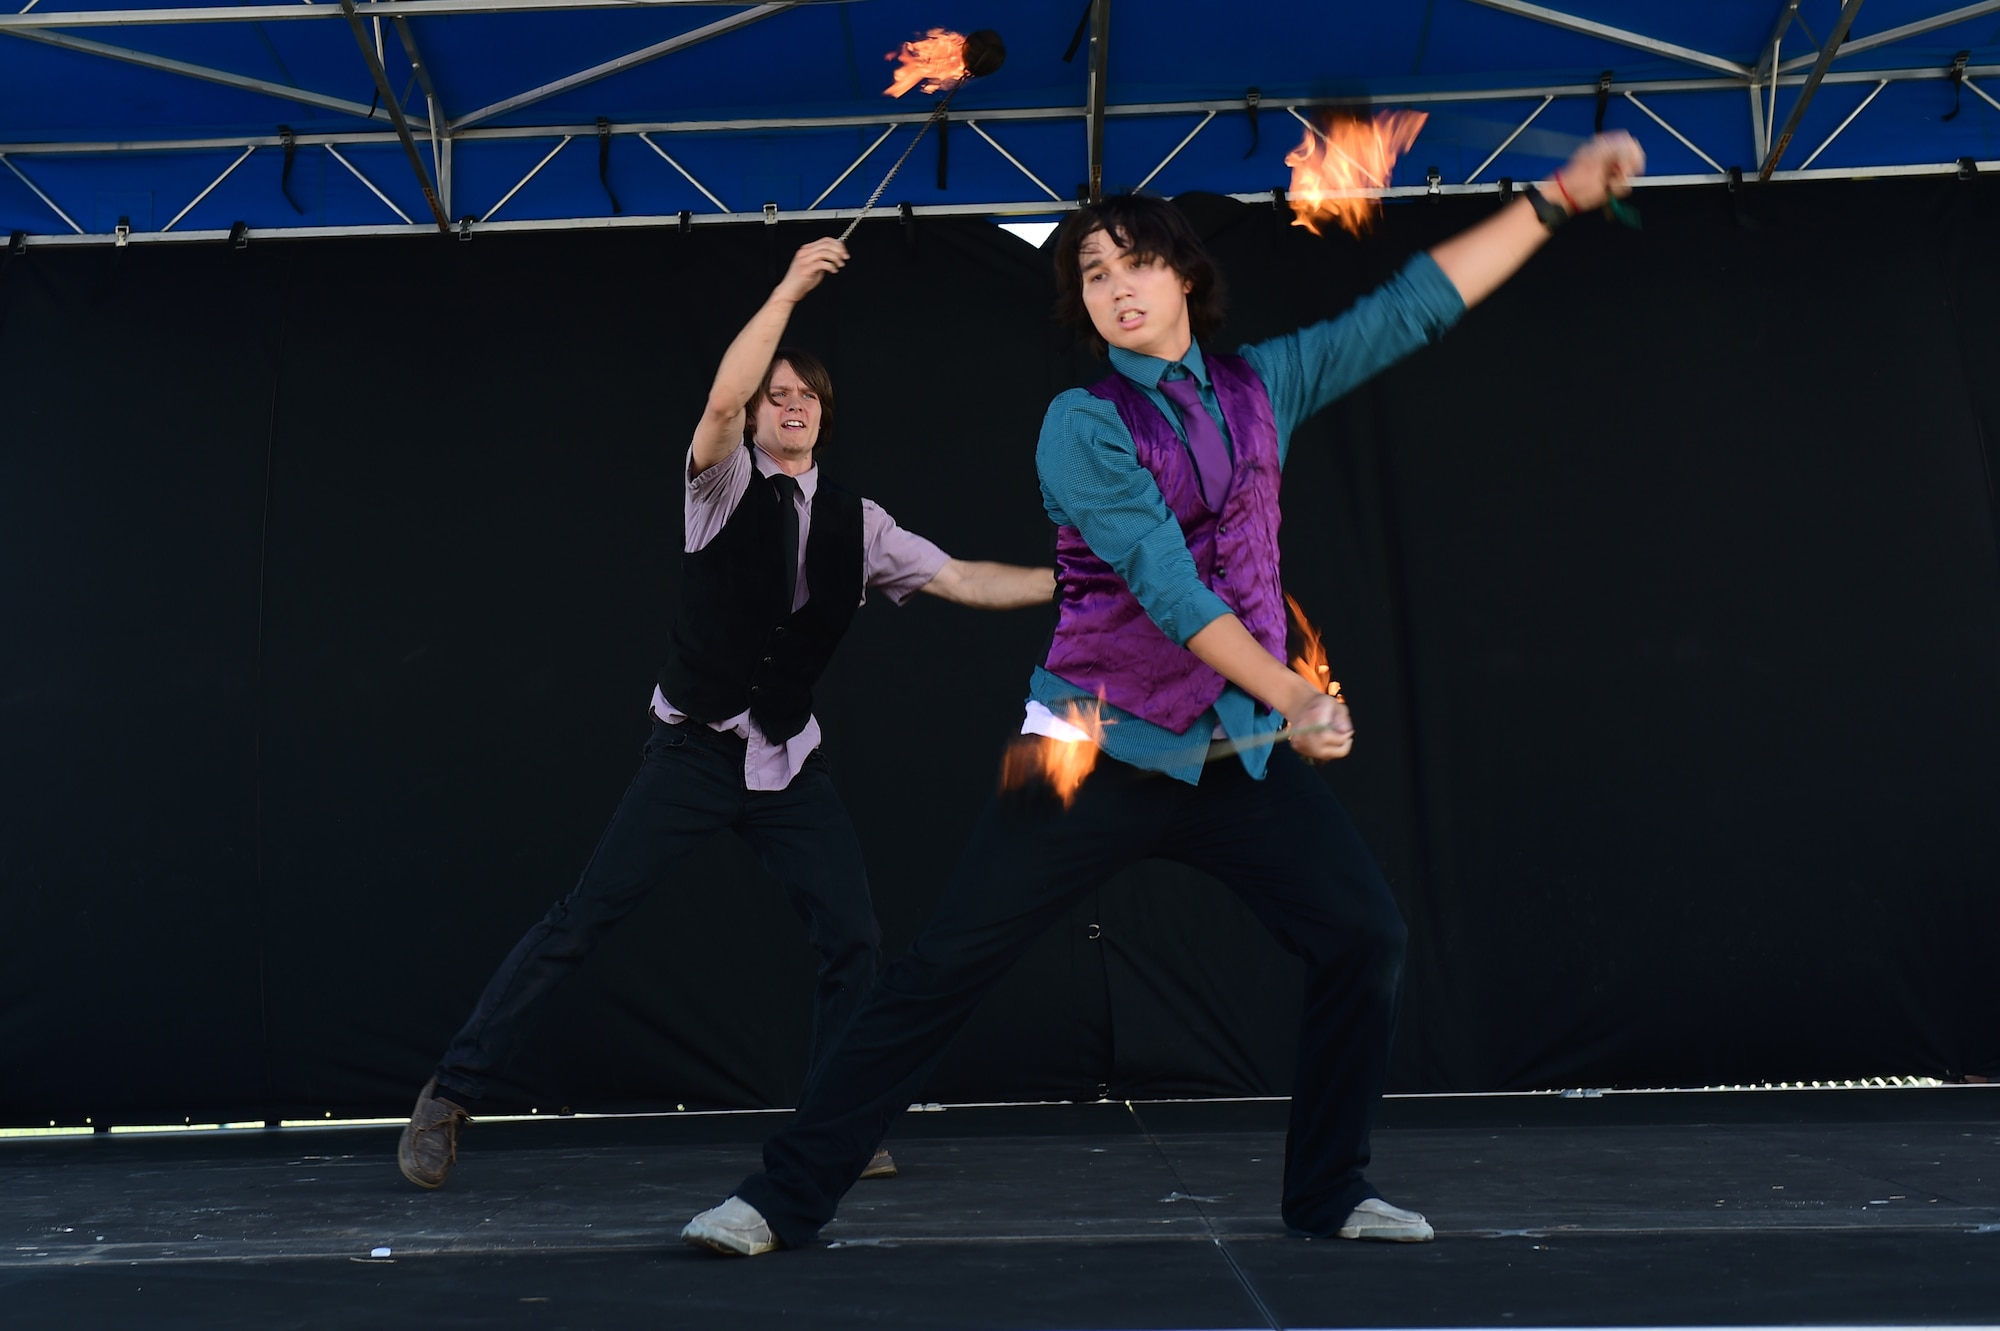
(1479, 259)
(721, 429)
(985, 585)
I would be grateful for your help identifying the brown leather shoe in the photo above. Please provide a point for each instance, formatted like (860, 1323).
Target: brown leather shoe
(882, 1166)
(429, 1147)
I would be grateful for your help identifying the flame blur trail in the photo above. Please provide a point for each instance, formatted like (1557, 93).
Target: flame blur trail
(1061, 763)
(1310, 658)
(934, 62)
(1343, 162)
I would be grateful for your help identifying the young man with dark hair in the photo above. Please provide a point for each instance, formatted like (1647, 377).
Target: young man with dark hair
(1163, 482)
(776, 563)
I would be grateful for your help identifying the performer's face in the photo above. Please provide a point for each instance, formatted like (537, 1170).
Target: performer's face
(1139, 304)
(787, 416)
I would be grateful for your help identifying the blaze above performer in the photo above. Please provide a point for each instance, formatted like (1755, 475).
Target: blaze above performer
(1163, 482)
(777, 560)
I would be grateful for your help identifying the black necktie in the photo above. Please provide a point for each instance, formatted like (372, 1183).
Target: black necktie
(787, 488)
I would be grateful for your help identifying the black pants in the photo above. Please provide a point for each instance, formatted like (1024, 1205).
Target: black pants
(689, 786)
(1283, 844)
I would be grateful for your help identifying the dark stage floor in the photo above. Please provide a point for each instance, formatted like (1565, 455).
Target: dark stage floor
(1751, 1208)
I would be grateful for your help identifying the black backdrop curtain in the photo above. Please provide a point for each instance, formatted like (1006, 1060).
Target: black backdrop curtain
(333, 576)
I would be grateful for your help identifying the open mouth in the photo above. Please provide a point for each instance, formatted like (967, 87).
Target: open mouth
(1131, 318)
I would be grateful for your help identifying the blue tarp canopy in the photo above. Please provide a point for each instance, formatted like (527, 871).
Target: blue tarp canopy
(187, 120)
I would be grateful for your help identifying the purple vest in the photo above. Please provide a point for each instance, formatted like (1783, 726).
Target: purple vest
(1104, 641)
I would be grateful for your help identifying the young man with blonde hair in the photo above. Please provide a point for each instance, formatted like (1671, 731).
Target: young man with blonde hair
(776, 563)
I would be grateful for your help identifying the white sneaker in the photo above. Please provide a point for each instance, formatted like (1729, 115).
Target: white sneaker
(734, 1228)
(1376, 1219)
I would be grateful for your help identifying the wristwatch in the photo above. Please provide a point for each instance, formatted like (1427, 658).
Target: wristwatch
(1551, 213)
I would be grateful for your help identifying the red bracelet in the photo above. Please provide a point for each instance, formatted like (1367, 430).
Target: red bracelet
(1563, 190)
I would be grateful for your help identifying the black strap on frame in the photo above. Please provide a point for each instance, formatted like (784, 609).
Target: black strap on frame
(1082, 27)
(291, 143)
(1957, 76)
(604, 162)
(1603, 99)
(1251, 97)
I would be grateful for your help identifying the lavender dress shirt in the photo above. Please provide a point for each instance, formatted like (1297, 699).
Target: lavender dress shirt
(897, 563)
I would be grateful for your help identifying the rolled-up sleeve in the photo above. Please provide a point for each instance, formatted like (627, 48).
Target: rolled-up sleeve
(1306, 371)
(899, 562)
(1092, 480)
(712, 495)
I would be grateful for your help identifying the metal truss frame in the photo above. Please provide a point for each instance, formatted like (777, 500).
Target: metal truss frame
(1820, 65)
(632, 60)
(1556, 18)
(33, 17)
(40, 25)
(372, 56)
(1114, 112)
(1017, 208)
(1761, 80)
(1095, 97)
(37, 17)
(166, 65)
(1922, 27)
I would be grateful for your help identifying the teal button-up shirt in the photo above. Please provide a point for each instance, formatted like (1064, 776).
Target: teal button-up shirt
(1092, 480)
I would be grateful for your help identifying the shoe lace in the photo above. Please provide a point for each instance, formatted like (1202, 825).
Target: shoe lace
(448, 1121)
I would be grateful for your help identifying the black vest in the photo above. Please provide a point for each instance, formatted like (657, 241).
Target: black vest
(737, 643)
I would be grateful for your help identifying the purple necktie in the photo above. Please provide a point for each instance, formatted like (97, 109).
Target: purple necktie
(1211, 455)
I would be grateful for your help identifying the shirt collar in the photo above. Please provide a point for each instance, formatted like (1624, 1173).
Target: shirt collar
(768, 466)
(1149, 370)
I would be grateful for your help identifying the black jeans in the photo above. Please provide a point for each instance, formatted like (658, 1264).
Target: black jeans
(689, 786)
(1283, 844)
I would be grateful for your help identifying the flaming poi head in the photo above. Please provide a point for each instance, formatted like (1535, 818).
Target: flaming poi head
(940, 60)
(1344, 163)
(1063, 763)
(1308, 650)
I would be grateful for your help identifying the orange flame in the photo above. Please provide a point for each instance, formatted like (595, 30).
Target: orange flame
(1308, 650)
(1061, 763)
(1341, 164)
(933, 62)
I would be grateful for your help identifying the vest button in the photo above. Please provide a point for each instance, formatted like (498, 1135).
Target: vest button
(756, 689)
(767, 660)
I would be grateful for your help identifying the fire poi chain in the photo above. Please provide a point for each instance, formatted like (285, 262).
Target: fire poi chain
(940, 61)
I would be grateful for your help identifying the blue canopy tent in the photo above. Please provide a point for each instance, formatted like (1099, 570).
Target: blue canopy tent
(173, 122)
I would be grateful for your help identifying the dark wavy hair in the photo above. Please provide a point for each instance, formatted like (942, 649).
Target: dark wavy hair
(808, 368)
(1151, 228)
